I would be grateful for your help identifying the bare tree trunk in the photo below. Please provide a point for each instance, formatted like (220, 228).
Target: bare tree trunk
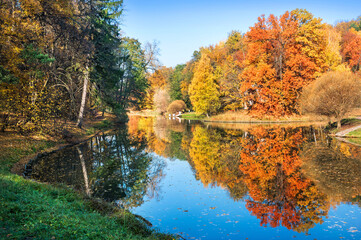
(83, 97)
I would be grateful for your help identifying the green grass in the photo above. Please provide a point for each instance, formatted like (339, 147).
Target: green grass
(356, 133)
(192, 116)
(32, 210)
(355, 140)
(332, 128)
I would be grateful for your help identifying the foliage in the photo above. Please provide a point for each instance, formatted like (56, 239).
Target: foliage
(351, 49)
(175, 80)
(284, 54)
(203, 89)
(264, 70)
(332, 95)
(59, 52)
(176, 106)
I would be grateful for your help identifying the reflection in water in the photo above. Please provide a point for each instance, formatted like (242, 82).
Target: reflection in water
(335, 168)
(113, 167)
(282, 176)
(279, 192)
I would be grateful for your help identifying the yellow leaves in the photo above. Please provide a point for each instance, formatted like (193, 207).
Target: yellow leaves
(203, 89)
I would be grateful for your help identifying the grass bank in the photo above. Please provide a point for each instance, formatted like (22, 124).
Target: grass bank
(243, 117)
(33, 210)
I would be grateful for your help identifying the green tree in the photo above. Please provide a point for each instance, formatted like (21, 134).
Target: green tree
(175, 81)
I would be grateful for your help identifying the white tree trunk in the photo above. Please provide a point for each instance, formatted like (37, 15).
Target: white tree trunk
(83, 97)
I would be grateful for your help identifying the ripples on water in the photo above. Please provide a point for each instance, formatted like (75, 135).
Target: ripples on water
(211, 182)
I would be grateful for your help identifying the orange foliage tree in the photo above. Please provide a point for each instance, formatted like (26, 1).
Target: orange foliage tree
(284, 55)
(351, 49)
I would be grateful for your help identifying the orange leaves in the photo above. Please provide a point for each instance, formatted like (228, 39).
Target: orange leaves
(284, 54)
(351, 49)
(159, 79)
(271, 166)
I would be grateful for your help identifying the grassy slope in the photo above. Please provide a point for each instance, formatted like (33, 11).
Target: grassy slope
(41, 211)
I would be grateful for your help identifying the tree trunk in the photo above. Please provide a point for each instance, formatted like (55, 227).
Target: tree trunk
(338, 123)
(83, 97)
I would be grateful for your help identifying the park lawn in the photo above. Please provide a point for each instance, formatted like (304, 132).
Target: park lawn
(33, 210)
(193, 116)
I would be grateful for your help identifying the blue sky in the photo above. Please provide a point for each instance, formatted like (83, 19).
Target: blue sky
(182, 26)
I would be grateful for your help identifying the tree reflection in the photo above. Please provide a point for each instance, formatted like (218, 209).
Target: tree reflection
(164, 137)
(123, 171)
(114, 167)
(279, 193)
(215, 159)
(287, 176)
(266, 163)
(336, 169)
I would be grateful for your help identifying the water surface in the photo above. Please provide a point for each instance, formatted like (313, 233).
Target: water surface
(211, 182)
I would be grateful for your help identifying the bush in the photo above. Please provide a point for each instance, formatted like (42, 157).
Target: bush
(176, 106)
(333, 95)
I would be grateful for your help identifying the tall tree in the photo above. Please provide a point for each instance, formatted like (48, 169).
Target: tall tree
(284, 55)
(175, 81)
(203, 89)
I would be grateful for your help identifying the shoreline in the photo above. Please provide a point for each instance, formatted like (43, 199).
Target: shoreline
(57, 199)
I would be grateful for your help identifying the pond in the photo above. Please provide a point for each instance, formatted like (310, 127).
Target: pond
(219, 182)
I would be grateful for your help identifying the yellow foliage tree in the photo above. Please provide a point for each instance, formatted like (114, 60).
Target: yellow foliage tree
(203, 90)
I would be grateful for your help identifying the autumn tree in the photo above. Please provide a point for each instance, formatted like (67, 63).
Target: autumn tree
(161, 100)
(188, 73)
(333, 54)
(351, 49)
(284, 55)
(334, 94)
(157, 79)
(203, 89)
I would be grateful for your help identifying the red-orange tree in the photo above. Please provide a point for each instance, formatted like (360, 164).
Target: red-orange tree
(351, 49)
(284, 54)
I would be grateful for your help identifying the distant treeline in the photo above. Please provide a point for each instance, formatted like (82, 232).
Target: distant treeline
(265, 69)
(64, 59)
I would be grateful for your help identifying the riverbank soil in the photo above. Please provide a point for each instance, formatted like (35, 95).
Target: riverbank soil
(33, 210)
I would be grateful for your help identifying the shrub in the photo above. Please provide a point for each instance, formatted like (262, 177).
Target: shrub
(334, 94)
(176, 106)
